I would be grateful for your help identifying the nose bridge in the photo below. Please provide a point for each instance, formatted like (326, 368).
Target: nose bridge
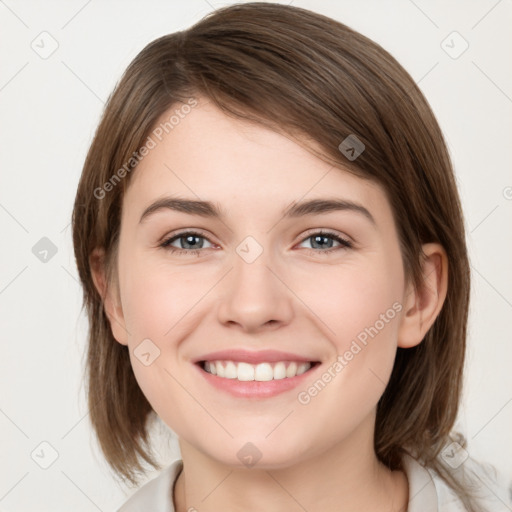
(255, 296)
(252, 269)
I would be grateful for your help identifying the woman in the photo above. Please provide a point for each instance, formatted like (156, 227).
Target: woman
(271, 245)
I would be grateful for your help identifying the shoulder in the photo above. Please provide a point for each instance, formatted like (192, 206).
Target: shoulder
(157, 494)
(428, 491)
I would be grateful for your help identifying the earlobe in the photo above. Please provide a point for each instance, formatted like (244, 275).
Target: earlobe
(111, 300)
(422, 305)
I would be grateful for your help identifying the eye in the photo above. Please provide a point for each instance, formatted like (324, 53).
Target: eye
(324, 240)
(190, 242)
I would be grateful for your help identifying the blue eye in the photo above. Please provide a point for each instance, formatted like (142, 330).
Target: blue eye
(189, 243)
(324, 240)
(192, 242)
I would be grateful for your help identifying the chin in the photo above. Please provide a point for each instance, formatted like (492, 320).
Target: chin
(258, 453)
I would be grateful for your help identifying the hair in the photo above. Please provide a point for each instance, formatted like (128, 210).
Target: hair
(317, 80)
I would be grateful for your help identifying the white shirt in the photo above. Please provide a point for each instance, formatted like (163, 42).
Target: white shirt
(427, 492)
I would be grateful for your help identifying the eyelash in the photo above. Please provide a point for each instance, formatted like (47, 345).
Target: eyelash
(345, 244)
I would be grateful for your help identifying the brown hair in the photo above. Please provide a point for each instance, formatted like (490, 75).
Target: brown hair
(295, 71)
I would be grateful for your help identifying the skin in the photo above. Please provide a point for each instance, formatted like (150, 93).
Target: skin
(294, 297)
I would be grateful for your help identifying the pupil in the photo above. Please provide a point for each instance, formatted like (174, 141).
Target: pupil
(190, 240)
(318, 239)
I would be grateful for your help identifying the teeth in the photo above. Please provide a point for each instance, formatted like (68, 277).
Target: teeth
(261, 372)
(279, 371)
(245, 371)
(291, 371)
(231, 371)
(302, 368)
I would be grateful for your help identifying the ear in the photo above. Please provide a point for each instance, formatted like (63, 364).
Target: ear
(422, 305)
(110, 297)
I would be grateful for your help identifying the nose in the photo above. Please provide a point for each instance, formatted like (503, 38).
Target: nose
(255, 297)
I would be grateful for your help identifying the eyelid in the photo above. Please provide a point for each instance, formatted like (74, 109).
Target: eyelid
(326, 231)
(187, 231)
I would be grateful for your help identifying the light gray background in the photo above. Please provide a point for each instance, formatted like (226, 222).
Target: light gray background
(49, 109)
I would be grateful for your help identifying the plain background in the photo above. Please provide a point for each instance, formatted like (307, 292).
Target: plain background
(49, 109)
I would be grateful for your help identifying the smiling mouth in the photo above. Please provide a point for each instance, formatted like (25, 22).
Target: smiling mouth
(261, 372)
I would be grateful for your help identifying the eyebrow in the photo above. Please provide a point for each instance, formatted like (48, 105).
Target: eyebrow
(214, 210)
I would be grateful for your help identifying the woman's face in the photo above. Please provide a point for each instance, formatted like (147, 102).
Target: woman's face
(258, 270)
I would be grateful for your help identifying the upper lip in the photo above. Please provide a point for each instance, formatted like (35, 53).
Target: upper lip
(254, 357)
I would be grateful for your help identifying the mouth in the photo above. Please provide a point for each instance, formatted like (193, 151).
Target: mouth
(255, 375)
(261, 372)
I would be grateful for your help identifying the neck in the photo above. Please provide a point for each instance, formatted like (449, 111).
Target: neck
(347, 477)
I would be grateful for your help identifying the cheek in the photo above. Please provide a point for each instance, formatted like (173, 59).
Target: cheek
(362, 309)
(353, 300)
(360, 305)
(163, 305)
(156, 298)
(159, 305)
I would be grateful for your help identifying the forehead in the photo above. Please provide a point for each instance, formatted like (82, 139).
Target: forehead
(209, 155)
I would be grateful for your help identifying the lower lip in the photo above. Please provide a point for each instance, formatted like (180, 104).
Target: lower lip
(253, 388)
